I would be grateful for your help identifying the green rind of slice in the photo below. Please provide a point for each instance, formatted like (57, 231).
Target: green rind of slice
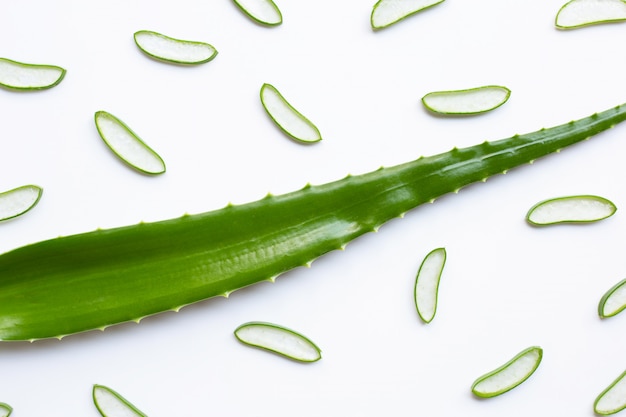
(613, 398)
(111, 404)
(278, 339)
(287, 118)
(127, 145)
(387, 12)
(427, 284)
(613, 301)
(264, 12)
(580, 13)
(509, 375)
(16, 75)
(5, 410)
(171, 50)
(570, 209)
(16, 202)
(467, 101)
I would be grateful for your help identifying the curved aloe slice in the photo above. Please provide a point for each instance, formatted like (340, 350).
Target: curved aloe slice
(579, 13)
(292, 122)
(18, 201)
(613, 398)
(427, 284)
(469, 101)
(387, 12)
(5, 410)
(261, 11)
(613, 301)
(127, 145)
(509, 375)
(21, 76)
(111, 404)
(278, 339)
(570, 209)
(173, 50)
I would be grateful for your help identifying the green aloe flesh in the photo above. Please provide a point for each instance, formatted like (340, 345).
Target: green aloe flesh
(468, 101)
(18, 201)
(165, 48)
(22, 76)
(92, 280)
(278, 339)
(264, 12)
(613, 398)
(387, 12)
(111, 404)
(5, 410)
(570, 209)
(580, 13)
(509, 375)
(427, 284)
(613, 301)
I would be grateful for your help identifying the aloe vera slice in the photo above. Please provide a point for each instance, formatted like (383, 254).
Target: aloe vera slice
(278, 339)
(18, 201)
(127, 145)
(468, 101)
(613, 301)
(387, 12)
(509, 375)
(288, 119)
(111, 404)
(174, 50)
(570, 209)
(613, 398)
(21, 76)
(427, 284)
(5, 410)
(579, 13)
(261, 11)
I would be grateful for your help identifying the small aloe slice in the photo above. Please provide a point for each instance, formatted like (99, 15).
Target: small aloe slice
(579, 13)
(278, 339)
(127, 145)
(509, 375)
(5, 410)
(469, 101)
(261, 11)
(21, 76)
(427, 284)
(111, 404)
(288, 119)
(613, 301)
(613, 398)
(174, 50)
(570, 209)
(387, 12)
(18, 201)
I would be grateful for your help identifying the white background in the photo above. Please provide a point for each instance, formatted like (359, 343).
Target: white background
(506, 285)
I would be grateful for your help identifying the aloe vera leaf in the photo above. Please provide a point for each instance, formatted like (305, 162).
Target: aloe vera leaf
(278, 339)
(18, 201)
(286, 117)
(387, 12)
(613, 301)
(427, 284)
(264, 12)
(579, 13)
(111, 404)
(21, 76)
(509, 375)
(127, 145)
(468, 101)
(613, 398)
(570, 209)
(96, 279)
(5, 410)
(173, 50)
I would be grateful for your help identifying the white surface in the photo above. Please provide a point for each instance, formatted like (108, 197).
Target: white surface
(506, 285)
